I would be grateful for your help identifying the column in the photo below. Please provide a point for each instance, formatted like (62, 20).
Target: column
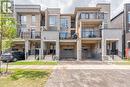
(57, 49)
(79, 50)
(41, 51)
(26, 49)
(103, 49)
(79, 44)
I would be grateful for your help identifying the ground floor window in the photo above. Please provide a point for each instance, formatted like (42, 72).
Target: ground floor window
(111, 48)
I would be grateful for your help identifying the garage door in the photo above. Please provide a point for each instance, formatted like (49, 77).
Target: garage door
(67, 53)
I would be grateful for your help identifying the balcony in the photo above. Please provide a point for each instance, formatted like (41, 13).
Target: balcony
(35, 35)
(91, 19)
(92, 15)
(67, 36)
(91, 34)
(30, 35)
(50, 35)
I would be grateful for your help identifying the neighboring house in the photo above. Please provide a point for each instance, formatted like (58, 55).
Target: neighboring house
(84, 34)
(122, 20)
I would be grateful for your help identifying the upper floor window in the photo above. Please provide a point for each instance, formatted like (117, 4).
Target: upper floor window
(33, 18)
(84, 15)
(63, 35)
(92, 15)
(128, 17)
(64, 23)
(23, 19)
(88, 32)
(23, 29)
(52, 20)
(101, 15)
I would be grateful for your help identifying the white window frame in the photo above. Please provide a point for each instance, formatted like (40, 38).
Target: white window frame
(64, 23)
(23, 19)
(33, 19)
(53, 24)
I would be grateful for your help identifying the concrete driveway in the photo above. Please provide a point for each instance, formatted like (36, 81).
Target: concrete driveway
(89, 78)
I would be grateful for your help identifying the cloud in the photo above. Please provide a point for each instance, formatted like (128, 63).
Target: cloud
(67, 6)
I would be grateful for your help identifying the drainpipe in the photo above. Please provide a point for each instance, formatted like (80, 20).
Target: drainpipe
(123, 44)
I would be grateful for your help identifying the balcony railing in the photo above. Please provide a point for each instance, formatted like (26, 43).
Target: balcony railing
(30, 35)
(93, 15)
(112, 52)
(66, 35)
(35, 35)
(91, 34)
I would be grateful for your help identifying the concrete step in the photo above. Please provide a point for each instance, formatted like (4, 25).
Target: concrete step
(112, 57)
(48, 58)
(31, 57)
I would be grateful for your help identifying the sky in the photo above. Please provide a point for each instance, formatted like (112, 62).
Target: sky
(67, 6)
(117, 6)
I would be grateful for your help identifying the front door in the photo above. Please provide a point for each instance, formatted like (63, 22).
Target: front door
(86, 53)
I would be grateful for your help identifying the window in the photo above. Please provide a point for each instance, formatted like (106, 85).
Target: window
(87, 16)
(33, 33)
(84, 15)
(23, 19)
(24, 29)
(33, 18)
(128, 44)
(106, 16)
(128, 17)
(92, 15)
(63, 35)
(101, 15)
(52, 20)
(88, 32)
(64, 23)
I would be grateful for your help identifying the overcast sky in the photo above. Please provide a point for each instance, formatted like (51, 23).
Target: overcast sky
(117, 6)
(67, 6)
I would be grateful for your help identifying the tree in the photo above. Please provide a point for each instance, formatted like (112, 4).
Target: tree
(7, 31)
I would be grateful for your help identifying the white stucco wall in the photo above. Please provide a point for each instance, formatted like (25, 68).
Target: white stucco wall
(50, 35)
(111, 34)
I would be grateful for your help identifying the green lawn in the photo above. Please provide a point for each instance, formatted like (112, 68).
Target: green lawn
(25, 78)
(34, 63)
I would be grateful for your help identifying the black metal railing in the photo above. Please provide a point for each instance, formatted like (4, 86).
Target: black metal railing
(35, 35)
(112, 52)
(30, 35)
(66, 35)
(92, 15)
(91, 34)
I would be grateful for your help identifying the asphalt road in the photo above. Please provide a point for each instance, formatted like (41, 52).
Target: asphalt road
(89, 78)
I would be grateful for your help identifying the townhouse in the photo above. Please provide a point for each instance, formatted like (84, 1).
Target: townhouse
(82, 35)
(122, 20)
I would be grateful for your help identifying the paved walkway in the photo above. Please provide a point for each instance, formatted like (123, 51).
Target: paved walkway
(89, 74)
